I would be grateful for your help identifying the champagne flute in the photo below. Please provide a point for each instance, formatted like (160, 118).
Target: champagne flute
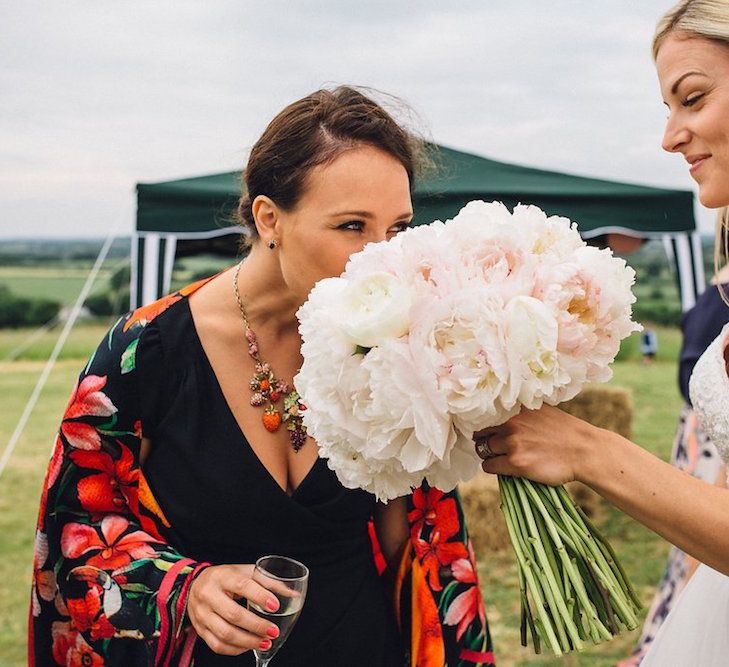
(287, 579)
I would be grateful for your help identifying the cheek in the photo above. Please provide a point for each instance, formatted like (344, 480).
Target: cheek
(314, 261)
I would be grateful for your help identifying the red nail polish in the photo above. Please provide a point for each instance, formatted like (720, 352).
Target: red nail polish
(272, 604)
(272, 632)
(265, 644)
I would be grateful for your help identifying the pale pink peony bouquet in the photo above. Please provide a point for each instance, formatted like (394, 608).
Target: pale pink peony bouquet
(453, 327)
(447, 329)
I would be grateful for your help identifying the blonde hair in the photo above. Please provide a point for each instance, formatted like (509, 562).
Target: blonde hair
(721, 247)
(703, 18)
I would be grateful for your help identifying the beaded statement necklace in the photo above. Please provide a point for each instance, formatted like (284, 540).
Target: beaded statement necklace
(269, 390)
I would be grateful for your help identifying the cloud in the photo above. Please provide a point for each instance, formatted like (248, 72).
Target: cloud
(98, 96)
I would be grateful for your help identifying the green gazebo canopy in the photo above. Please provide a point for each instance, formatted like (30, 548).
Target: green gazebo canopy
(203, 204)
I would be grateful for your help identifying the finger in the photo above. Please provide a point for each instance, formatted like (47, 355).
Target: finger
(276, 586)
(239, 616)
(490, 445)
(498, 465)
(498, 444)
(253, 592)
(486, 432)
(226, 639)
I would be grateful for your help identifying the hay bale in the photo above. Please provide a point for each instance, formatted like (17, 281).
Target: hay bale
(610, 408)
(485, 521)
(607, 407)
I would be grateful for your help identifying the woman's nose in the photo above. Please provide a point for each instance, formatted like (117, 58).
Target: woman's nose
(675, 135)
(378, 235)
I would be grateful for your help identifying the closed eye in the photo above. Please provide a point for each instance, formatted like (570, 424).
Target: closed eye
(690, 101)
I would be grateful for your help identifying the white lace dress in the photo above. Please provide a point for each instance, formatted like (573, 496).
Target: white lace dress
(696, 632)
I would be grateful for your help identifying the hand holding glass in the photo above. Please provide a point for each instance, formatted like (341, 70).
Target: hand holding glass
(287, 579)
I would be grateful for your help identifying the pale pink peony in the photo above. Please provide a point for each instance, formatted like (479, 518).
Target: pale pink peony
(450, 328)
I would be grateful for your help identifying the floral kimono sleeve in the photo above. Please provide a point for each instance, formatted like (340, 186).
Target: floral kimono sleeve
(438, 600)
(108, 589)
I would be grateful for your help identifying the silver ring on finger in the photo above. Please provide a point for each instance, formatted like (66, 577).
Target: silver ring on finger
(483, 449)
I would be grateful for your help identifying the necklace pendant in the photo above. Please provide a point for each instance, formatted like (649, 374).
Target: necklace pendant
(271, 419)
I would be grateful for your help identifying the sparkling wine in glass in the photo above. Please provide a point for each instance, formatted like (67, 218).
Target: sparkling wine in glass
(287, 579)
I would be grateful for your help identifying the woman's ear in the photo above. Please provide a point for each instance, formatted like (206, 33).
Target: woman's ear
(266, 215)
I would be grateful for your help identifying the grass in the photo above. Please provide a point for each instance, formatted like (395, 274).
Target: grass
(657, 405)
(59, 283)
(83, 339)
(20, 488)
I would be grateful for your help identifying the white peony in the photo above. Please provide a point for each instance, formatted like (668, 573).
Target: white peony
(532, 332)
(461, 340)
(374, 308)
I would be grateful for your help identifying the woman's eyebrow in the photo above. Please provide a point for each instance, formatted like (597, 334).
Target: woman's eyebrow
(675, 86)
(367, 214)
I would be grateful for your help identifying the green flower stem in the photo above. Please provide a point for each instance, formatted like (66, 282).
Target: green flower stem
(519, 526)
(543, 628)
(612, 557)
(561, 615)
(577, 614)
(600, 564)
(557, 568)
(597, 596)
(600, 583)
(573, 575)
(526, 557)
(577, 580)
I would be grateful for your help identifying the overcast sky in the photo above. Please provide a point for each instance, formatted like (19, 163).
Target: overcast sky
(97, 96)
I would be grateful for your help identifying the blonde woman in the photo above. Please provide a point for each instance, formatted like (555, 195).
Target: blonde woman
(691, 51)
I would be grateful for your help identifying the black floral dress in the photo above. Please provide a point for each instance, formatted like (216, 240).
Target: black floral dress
(117, 547)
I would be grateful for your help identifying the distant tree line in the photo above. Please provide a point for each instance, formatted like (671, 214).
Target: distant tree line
(115, 300)
(19, 311)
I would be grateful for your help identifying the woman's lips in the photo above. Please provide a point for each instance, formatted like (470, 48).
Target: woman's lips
(696, 164)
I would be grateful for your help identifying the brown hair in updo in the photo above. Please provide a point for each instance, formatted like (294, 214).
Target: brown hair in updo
(311, 132)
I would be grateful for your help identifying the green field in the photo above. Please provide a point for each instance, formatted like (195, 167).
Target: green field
(59, 283)
(657, 404)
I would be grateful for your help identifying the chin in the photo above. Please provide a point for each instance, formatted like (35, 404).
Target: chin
(712, 197)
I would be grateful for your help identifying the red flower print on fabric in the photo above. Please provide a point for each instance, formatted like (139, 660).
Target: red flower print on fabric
(113, 549)
(87, 614)
(438, 551)
(112, 488)
(44, 581)
(468, 604)
(86, 401)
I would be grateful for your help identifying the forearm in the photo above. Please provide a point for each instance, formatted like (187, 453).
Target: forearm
(391, 527)
(687, 512)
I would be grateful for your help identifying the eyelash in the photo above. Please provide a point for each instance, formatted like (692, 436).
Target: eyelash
(347, 226)
(689, 102)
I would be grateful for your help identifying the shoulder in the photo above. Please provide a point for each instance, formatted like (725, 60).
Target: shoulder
(119, 351)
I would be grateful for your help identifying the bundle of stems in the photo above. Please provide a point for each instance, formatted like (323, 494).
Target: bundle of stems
(568, 573)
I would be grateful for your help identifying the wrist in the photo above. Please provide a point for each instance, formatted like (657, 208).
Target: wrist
(592, 453)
